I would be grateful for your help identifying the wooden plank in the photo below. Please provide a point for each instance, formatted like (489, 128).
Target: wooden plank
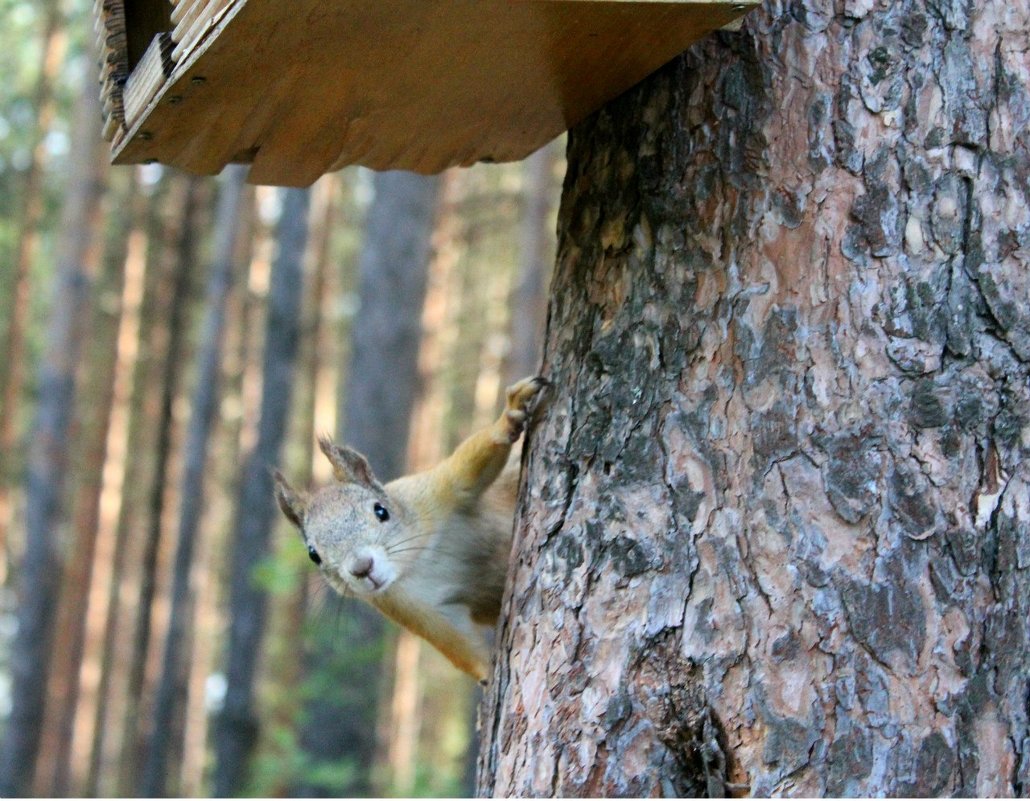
(195, 24)
(148, 77)
(184, 8)
(304, 87)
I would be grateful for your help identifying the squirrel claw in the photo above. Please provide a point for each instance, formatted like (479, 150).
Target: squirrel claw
(521, 394)
(523, 397)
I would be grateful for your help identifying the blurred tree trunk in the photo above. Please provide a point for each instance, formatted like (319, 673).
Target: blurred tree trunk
(235, 435)
(12, 376)
(774, 536)
(40, 570)
(376, 415)
(150, 258)
(382, 378)
(171, 687)
(236, 732)
(121, 278)
(536, 255)
(424, 441)
(162, 321)
(405, 715)
(315, 361)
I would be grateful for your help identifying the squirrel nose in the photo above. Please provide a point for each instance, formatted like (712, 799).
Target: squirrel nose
(362, 567)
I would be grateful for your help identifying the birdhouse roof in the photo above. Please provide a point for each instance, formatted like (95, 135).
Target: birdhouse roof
(298, 88)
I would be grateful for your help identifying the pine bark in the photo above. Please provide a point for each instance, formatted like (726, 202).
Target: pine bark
(236, 733)
(775, 533)
(40, 569)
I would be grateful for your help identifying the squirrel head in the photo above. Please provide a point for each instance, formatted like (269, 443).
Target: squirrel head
(353, 529)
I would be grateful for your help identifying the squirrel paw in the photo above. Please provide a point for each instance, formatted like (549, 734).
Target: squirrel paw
(523, 398)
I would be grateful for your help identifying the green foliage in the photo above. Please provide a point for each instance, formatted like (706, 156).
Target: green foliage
(332, 628)
(282, 763)
(432, 782)
(279, 573)
(448, 710)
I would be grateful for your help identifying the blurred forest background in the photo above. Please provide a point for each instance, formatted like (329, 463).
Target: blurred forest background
(167, 339)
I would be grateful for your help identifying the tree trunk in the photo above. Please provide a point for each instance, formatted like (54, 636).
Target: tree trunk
(234, 436)
(381, 384)
(12, 376)
(314, 404)
(382, 376)
(40, 570)
(205, 401)
(164, 319)
(427, 440)
(405, 715)
(398, 733)
(122, 274)
(774, 534)
(236, 733)
(95, 706)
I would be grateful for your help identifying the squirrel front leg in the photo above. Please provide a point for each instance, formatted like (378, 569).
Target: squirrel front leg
(477, 461)
(456, 639)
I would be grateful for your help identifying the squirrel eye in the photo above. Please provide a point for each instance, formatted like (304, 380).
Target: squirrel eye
(381, 512)
(314, 555)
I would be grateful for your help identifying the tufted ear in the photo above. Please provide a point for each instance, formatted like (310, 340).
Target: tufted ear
(349, 465)
(294, 504)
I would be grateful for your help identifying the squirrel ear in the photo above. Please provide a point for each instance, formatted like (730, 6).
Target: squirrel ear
(293, 503)
(349, 465)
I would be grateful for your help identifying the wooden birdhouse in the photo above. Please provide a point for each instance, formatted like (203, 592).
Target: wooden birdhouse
(297, 88)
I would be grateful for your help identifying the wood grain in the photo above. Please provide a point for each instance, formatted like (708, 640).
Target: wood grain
(303, 88)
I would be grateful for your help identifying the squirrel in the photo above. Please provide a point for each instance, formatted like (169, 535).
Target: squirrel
(429, 550)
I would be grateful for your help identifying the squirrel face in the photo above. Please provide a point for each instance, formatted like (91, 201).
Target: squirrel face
(354, 532)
